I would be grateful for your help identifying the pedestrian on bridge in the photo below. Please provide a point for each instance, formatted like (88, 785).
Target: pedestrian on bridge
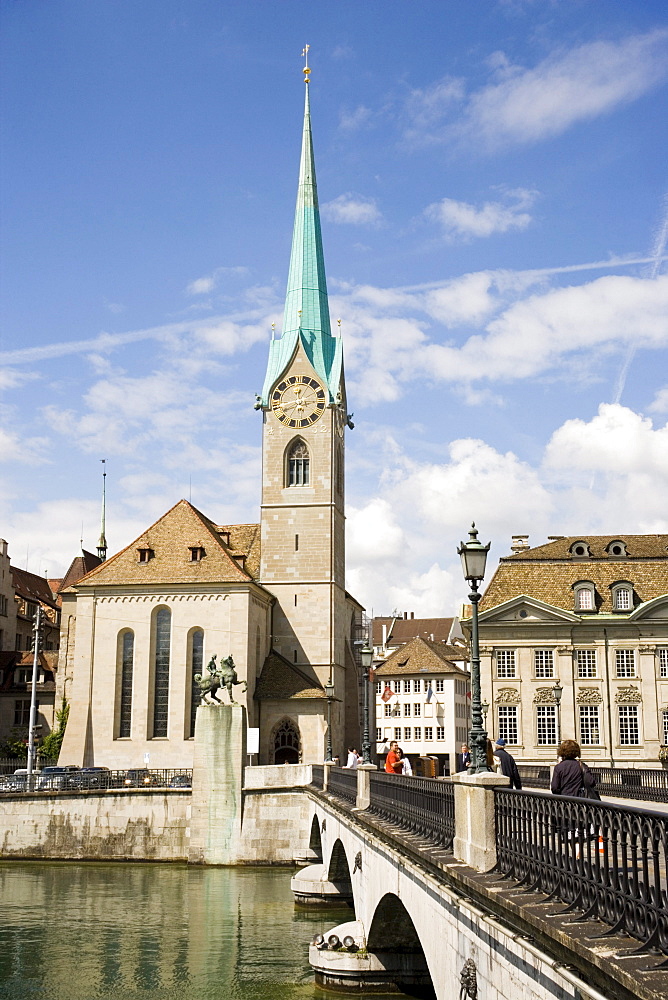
(393, 759)
(508, 765)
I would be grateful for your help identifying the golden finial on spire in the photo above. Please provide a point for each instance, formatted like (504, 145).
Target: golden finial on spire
(306, 69)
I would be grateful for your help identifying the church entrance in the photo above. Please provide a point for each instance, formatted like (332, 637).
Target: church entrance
(287, 747)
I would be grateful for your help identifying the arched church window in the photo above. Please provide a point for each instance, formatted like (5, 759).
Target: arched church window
(287, 748)
(127, 654)
(339, 470)
(162, 647)
(196, 663)
(298, 464)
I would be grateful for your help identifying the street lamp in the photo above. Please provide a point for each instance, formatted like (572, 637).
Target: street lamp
(485, 710)
(557, 691)
(474, 556)
(329, 694)
(366, 654)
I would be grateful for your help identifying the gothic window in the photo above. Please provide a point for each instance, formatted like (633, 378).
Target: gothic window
(196, 664)
(298, 470)
(161, 656)
(127, 654)
(287, 749)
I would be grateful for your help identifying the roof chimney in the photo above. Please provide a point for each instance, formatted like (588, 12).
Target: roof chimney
(405, 616)
(519, 543)
(412, 615)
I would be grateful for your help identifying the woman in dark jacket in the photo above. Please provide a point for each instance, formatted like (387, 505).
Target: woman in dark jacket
(570, 775)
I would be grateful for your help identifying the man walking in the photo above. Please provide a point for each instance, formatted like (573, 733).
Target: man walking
(463, 758)
(508, 765)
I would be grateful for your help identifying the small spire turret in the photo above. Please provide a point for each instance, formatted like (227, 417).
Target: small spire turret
(102, 543)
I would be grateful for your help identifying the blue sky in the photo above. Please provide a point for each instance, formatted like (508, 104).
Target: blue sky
(492, 180)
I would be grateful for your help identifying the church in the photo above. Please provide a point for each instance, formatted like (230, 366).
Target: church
(137, 629)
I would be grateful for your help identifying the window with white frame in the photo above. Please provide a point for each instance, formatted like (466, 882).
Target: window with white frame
(543, 663)
(407, 687)
(665, 728)
(379, 687)
(397, 687)
(585, 661)
(407, 709)
(440, 732)
(407, 733)
(388, 710)
(417, 686)
(622, 597)
(428, 733)
(440, 684)
(417, 709)
(505, 663)
(397, 732)
(546, 725)
(629, 725)
(663, 661)
(584, 597)
(625, 663)
(590, 734)
(417, 732)
(379, 735)
(508, 728)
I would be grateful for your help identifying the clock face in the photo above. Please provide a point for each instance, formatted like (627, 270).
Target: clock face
(298, 401)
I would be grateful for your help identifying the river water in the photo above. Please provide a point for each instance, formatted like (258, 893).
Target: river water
(98, 931)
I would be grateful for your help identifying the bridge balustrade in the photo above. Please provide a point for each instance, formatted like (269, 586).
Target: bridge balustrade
(317, 775)
(649, 785)
(342, 782)
(424, 806)
(606, 861)
(534, 776)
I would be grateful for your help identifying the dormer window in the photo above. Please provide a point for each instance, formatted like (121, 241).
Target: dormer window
(580, 550)
(622, 596)
(145, 555)
(616, 549)
(197, 553)
(584, 596)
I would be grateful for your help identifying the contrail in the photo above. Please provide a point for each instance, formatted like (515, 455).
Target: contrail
(655, 260)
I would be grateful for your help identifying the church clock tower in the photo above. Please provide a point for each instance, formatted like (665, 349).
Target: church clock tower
(303, 403)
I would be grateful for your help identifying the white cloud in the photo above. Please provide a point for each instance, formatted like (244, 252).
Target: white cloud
(27, 451)
(660, 402)
(351, 209)
(426, 107)
(616, 441)
(351, 121)
(207, 283)
(567, 87)
(459, 218)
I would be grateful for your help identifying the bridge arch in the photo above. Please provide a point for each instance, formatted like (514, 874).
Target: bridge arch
(393, 937)
(315, 838)
(338, 872)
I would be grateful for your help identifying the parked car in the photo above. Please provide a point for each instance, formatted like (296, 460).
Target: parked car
(18, 781)
(140, 777)
(181, 781)
(91, 778)
(56, 778)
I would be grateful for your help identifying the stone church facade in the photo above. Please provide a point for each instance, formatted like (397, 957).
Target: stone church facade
(272, 595)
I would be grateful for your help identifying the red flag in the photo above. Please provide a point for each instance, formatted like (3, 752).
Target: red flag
(387, 693)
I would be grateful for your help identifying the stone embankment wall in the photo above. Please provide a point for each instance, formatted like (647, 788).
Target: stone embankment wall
(137, 825)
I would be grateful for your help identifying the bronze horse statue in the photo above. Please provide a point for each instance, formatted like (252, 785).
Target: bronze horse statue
(222, 675)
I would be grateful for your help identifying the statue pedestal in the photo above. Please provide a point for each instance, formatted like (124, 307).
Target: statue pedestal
(218, 769)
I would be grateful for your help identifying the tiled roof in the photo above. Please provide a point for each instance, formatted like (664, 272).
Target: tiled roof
(79, 566)
(281, 680)
(401, 630)
(170, 539)
(420, 656)
(548, 572)
(32, 587)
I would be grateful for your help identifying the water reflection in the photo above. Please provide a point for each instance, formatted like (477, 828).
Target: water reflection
(153, 932)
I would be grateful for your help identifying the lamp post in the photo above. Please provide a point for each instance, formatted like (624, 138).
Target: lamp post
(366, 654)
(485, 710)
(329, 692)
(474, 556)
(557, 692)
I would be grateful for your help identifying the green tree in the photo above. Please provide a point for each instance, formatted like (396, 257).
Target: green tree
(52, 743)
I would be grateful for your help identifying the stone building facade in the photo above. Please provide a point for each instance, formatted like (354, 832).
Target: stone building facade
(272, 595)
(588, 615)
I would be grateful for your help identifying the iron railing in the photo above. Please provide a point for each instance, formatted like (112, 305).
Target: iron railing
(618, 782)
(534, 776)
(10, 764)
(342, 782)
(94, 781)
(605, 861)
(641, 785)
(317, 775)
(424, 806)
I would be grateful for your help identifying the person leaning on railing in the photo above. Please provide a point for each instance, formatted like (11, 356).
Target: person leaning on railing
(572, 776)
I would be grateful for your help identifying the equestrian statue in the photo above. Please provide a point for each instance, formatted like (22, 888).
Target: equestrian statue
(224, 675)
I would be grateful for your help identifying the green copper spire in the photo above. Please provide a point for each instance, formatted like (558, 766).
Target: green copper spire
(306, 315)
